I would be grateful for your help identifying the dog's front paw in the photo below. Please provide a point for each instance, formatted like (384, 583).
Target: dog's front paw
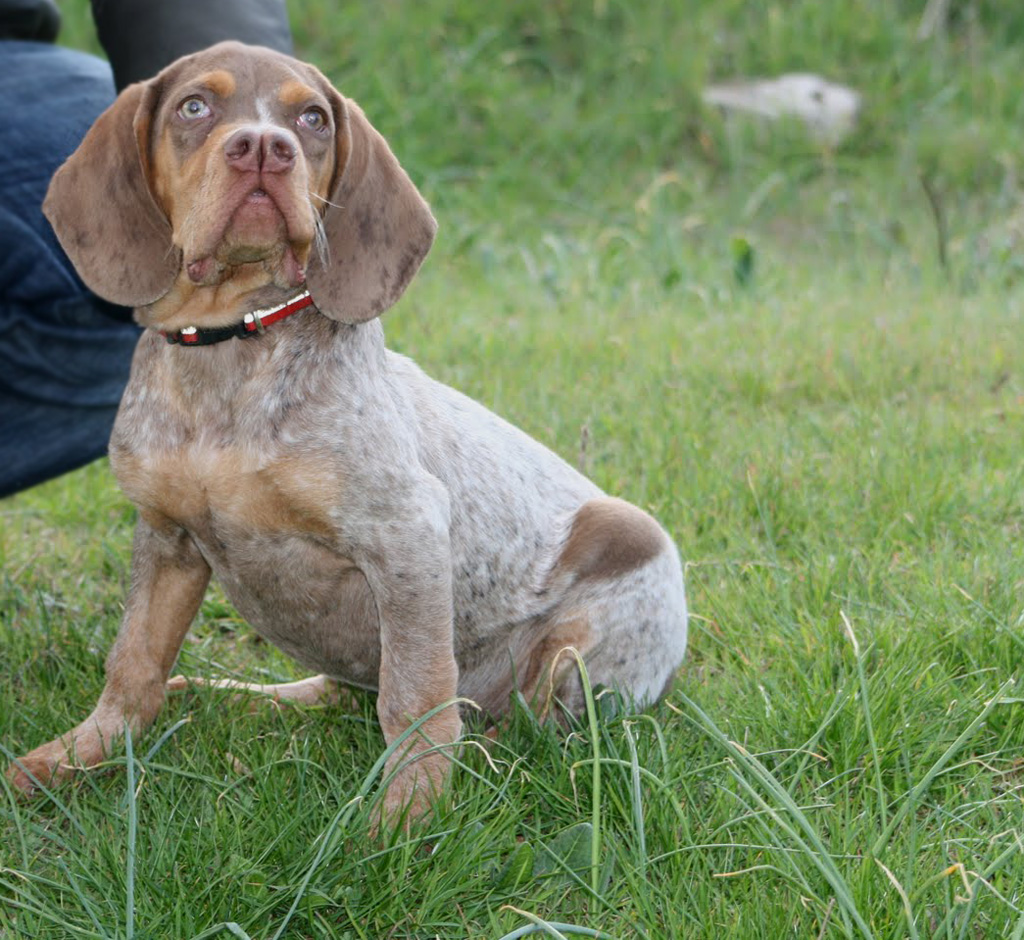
(39, 768)
(80, 748)
(414, 791)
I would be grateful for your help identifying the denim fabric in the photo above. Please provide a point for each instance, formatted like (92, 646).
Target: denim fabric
(64, 353)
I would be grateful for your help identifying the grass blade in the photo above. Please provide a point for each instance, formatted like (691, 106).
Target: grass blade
(82, 899)
(551, 928)
(865, 702)
(595, 780)
(638, 806)
(908, 910)
(230, 926)
(129, 927)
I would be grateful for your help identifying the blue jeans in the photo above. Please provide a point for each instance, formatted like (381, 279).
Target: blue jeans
(64, 353)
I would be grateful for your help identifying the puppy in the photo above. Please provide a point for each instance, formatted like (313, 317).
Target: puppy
(383, 529)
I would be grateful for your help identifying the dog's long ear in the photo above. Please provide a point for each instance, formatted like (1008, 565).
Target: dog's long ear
(378, 227)
(101, 206)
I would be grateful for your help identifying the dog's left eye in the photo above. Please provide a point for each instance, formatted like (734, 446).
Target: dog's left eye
(193, 108)
(314, 118)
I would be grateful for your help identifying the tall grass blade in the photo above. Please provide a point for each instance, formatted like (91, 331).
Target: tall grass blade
(637, 795)
(865, 702)
(129, 927)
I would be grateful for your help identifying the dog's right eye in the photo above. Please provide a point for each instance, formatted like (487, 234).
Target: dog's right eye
(314, 118)
(192, 108)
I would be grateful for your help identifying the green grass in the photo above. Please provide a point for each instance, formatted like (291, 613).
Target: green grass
(834, 442)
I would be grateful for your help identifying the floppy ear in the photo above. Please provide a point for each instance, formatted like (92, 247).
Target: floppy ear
(378, 227)
(102, 209)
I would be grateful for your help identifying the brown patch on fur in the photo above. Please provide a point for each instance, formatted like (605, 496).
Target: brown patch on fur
(176, 181)
(300, 495)
(219, 81)
(608, 538)
(550, 668)
(163, 165)
(294, 92)
(201, 487)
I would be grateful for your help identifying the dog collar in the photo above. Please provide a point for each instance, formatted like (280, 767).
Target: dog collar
(249, 325)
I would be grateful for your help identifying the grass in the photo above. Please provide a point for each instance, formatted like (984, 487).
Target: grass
(756, 341)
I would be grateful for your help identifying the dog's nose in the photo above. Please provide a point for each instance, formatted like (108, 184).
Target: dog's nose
(278, 153)
(251, 150)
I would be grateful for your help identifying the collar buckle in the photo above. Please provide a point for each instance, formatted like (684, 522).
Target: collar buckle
(251, 318)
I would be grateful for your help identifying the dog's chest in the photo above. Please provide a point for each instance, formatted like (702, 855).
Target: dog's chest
(228, 495)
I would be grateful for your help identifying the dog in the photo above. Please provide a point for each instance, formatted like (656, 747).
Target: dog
(379, 527)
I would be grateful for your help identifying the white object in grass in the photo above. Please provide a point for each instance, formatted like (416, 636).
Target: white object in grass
(829, 111)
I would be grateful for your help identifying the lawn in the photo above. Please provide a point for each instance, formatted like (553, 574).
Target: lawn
(808, 365)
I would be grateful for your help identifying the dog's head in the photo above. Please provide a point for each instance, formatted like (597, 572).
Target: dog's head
(227, 181)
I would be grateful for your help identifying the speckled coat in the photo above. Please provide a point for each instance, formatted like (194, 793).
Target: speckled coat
(381, 528)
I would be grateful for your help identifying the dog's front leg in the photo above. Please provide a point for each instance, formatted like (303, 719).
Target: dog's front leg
(169, 578)
(412, 584)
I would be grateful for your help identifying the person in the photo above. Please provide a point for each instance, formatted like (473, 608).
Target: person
(65, 353)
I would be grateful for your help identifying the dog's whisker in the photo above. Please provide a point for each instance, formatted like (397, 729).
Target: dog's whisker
(324, 200)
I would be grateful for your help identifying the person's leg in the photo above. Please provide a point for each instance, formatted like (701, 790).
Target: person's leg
(64, 353)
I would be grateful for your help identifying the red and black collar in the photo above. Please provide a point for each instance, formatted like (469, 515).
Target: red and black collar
(250, 325)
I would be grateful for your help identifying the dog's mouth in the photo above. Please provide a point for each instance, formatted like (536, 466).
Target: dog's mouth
(259, 221)
(261, 227)
(259, 198)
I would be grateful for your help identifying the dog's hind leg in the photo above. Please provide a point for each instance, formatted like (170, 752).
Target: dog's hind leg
(623, 608)
(316, 690)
